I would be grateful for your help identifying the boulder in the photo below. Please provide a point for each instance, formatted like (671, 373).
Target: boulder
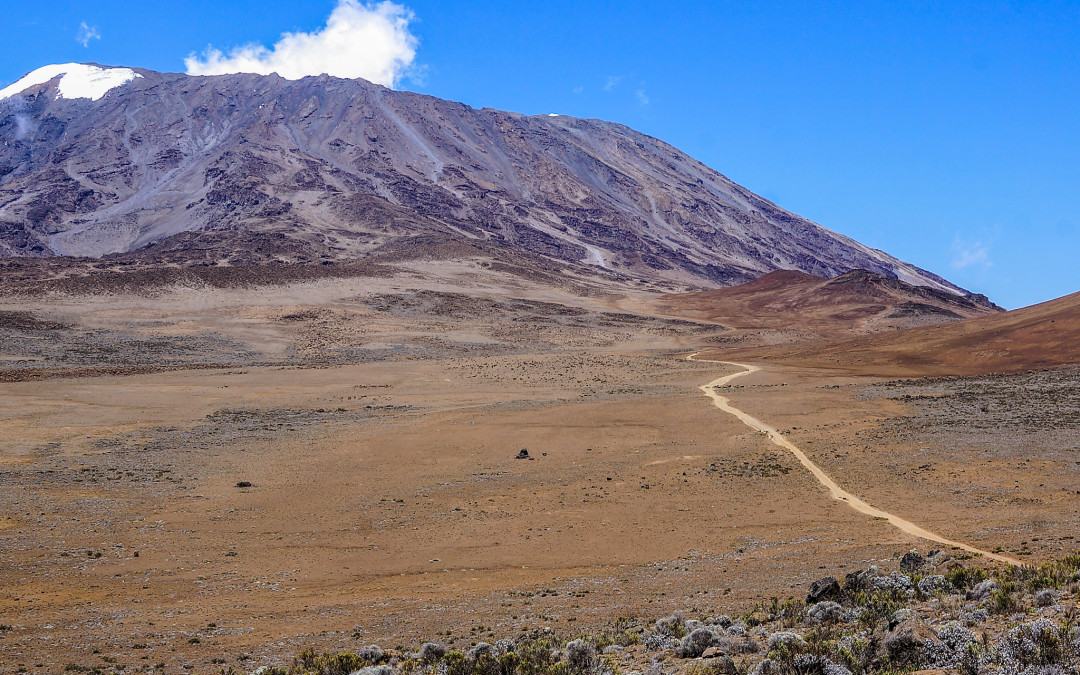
(912, 561)
(857, 582)
(906, 644)
(823, 589)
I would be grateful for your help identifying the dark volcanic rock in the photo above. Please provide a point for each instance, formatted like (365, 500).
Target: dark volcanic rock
(823, 589)
(912, 561)
(858, 581)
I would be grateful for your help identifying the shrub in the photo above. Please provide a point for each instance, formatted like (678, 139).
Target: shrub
(580, 655)
(374, 670)
(857, 651)
(879, 605)
(1002, 600)
(485, 659)
(672, 626)
(955, 641)
(930, 585)
(431, 652)
(344, 663)
(824, 612)
(531, 657)
(503, 646)
(1040, 643)
(812, 663)
(1045, 598)
(341, 664)
(767, 667)
(897, 582)
(965, 577)
(737, 628)
(790, 653)
(723, 621)
(982, 589)
(785, 640)
(790, 612)
(624, 633)
(455, 663)
(975, 617)
(655, 642)
(373, 654)
(717, 666)
(695, 644)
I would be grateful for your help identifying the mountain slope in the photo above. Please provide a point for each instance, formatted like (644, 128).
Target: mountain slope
(856, 302)
(1046, 335)
(344, 167)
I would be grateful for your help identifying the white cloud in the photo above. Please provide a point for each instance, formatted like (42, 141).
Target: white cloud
(612, 82)
(371, 41)
(642, 98)
(86, 34)
(970, 254)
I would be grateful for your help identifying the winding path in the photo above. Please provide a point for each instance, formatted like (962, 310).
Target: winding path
(835, 490)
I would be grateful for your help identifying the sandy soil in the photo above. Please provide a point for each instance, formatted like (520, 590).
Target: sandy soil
(713, 391)
(348, 474)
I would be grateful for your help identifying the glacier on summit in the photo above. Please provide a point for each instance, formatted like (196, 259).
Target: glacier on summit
(77, 80)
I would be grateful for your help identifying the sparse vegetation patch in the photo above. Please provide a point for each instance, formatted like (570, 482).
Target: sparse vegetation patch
(965, 619)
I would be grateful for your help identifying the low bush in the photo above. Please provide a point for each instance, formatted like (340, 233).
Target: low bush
(879, 625)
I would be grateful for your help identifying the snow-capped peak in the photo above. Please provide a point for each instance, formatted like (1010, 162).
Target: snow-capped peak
(77, 80)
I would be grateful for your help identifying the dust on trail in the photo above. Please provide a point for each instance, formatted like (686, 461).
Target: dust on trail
(835, 490)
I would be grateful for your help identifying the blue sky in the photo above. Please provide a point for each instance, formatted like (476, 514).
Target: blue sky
(947, 134)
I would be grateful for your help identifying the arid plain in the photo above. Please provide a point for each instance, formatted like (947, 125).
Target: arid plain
(199, 473)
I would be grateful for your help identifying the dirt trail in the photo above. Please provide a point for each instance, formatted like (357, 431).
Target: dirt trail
(835, 490)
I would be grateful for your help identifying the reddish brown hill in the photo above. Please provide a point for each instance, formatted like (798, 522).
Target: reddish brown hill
(857, 302)
(1041, 336)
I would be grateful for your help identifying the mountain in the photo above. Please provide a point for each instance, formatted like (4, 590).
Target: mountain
(858, 301)
(97, 161)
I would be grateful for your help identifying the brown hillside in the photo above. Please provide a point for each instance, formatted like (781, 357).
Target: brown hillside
(857, 302)
(1041, 336)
